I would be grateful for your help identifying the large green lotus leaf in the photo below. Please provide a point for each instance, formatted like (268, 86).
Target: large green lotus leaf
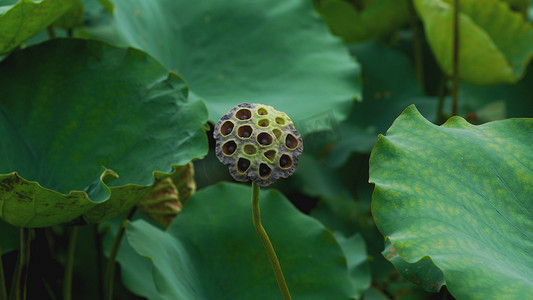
(76, 118)
(359, 21)
(211, 251)
(278, 53)
(496, 44)
(460, 195)
(24, 19)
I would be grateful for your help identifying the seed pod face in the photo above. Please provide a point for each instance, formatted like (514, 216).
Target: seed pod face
(257, 142)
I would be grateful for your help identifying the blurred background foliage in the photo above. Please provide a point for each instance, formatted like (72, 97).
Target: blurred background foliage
(341, 86)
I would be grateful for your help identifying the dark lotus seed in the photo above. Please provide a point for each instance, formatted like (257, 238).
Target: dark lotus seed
(264, 170)
(285, 161)
(229, 147)
(246, 134)
(243, 114)
(291, 142)
(264, 139)
(270, 154)
(243, 164)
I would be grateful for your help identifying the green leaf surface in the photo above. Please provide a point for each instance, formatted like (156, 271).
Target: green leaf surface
(354, 248)
(72, 18)
(271, 52)
(211, 251)
(21, 21)
(423, 272)
(108, 5)
(87, 136)
(9, 237)
(521, 6)
(460, 195)
(517, 98)
(359, 21)
(390, 86)
(496, 44)
(135, 270)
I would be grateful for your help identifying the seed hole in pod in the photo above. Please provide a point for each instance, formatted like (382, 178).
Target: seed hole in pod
(243, 114)
(262, 111)
(244, 131)
(250, 149)
(270, 154)
(264, 171)
(280, 121)
(243, 164)
(285, 161)
(264, 139)
(291, 142)
(263, 123)
(229, 147)
(226, 128)
(277, 133)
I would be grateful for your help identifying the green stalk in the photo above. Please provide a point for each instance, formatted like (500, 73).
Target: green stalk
(3, 289)
(110, 269)
(24, 261)
(67, 280)
(417, 44)
(455, 76)
(267, 244)
(440, 107)
(99, 262)
(51, 32)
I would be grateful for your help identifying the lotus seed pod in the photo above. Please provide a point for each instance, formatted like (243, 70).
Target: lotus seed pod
(257, 143)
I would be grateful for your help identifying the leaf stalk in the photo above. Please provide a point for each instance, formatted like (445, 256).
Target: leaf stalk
(110, 268)
(67, 279)
(417, 44)
(455, 75)
(3, 289)
(23, 265)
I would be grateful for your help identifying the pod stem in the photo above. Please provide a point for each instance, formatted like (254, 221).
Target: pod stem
(267, 244)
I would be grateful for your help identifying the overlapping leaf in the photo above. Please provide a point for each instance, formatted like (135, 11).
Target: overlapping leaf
(212, 250)
(24, 19)
(460, 195)
(354, 248)
(359, 21)
(390, 86)
(496, 44)
(271, 52)
(423, 272)
(84, 127)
